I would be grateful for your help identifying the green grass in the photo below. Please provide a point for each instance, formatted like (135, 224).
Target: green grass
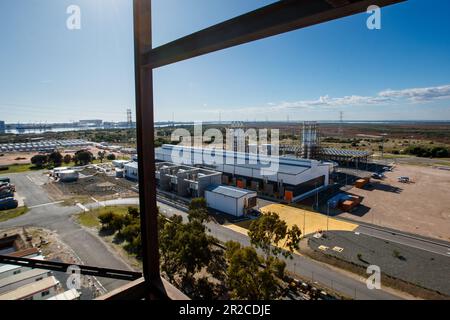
(12, 213)
(16, 168)
(90, 219)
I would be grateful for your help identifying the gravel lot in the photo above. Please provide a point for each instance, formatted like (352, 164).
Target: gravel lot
(416, 266)
(421, 207)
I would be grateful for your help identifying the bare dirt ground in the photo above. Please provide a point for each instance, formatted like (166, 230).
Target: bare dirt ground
(97, 185)
(54, 249)
(16, 158)
(421, 207)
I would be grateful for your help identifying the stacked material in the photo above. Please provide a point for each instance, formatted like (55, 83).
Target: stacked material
(360, 183)
(350, 204)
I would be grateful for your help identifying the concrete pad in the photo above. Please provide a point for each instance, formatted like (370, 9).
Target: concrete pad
(309, 222)
(295, 216)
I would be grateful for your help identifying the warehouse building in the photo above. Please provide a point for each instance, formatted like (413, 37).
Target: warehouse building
(289, 179)
(184, 180)
(38, 290)
(43, 146)
(231, 200)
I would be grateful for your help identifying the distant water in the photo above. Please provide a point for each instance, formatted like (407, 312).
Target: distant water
(40, 131)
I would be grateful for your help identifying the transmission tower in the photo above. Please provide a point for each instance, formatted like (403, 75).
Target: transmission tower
(129, 119)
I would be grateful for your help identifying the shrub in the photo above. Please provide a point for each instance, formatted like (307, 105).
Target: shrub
(111, 157)
(106, 218)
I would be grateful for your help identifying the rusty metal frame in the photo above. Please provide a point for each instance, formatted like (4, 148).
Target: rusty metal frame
(277, 18)
(62, 267)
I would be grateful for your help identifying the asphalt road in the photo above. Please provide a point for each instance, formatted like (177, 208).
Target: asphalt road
(53, 216)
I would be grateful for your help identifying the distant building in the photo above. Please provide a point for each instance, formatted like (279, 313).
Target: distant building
(2, 127)
(131, 171)
(90, 123)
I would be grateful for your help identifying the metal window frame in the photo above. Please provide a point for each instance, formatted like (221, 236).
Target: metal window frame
(273, 19)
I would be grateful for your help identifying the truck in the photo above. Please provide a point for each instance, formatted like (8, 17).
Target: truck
(8, 203)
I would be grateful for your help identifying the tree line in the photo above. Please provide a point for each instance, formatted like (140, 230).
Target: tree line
(201, 266)
(56, 159)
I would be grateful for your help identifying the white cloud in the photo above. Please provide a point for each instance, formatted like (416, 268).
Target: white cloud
(385, 97)
(419, 94)
(382, 98)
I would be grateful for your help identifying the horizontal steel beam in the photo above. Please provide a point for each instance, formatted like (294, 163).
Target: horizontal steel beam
(62, 267)
(276, 18)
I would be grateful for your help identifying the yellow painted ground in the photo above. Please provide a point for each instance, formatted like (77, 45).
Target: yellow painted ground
(308, 221)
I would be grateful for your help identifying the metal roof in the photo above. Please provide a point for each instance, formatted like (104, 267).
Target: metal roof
(229, 191)
(345, 153)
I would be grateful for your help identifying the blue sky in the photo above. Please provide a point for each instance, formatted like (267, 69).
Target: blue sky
(50, 73)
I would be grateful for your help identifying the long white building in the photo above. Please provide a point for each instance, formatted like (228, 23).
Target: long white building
(280, 177)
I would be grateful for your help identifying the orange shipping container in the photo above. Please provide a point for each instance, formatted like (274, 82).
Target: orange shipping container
(288, 196)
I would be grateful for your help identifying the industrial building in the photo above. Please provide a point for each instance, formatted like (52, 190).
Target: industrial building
(38, 290)
(120, 163)
(23, 278)
(43, 146)
(131, 171)
(290, 179)
(231, 200)
(184, 180)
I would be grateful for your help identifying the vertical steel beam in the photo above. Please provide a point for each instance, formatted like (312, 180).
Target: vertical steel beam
(145, 142)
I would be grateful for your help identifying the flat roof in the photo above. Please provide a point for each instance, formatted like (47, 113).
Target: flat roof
(132, 164)
(260, 160)
(345, 153)
(229, 191)
(71, 294)
(21, 276)
(30, 289)
(9, 267)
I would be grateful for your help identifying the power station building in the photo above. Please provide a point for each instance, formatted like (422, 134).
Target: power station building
(289, 179)
(185, 181)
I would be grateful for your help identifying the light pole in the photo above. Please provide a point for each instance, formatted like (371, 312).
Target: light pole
(328, 213)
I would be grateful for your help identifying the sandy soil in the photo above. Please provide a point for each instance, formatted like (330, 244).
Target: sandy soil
(16, 158)
(421, 207)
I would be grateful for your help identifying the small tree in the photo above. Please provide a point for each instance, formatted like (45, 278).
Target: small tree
(39, 160)
(83, 157)
(101, 155)
(67, 159)
(246, 279)
(269, 233)
(111, 157)
(105, 219)
(133, 212)
(55, 158)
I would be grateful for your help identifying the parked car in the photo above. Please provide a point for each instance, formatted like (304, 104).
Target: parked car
(378, 175)
(8, 203)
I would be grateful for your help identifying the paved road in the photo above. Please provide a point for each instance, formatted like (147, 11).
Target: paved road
(90, 249)
(430, 245)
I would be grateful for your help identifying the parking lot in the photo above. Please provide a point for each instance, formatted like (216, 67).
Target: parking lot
(420, 207)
